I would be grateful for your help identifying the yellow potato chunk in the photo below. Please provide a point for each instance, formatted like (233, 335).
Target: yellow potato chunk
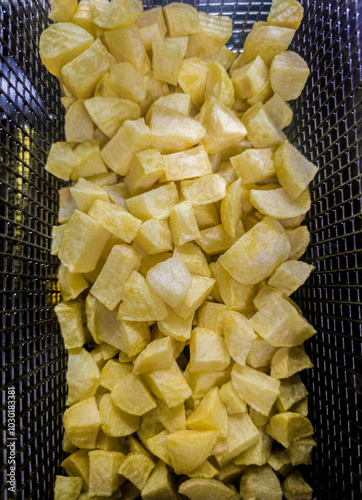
(61, 160)
(126, 45)
(84, 193)
(174, 419)
(171, 280)
(223, 127)
(192, 79)
(177, 102)
(258, 389)
(279, 111)
(183, 223)
(169, 385)
(60, 43)
(207, 351)
(159, 485)
(145, 169)
(166, 61)
(294, 171)
(157, 355)
(127, 81)
(266, 41)
(279, 461)
(211, 316)
(261, 131)
(83, 17)
(66, 205)
(103, 472)
(139, 301)
(180, 41)
(280, 324)
(70, 319)
(286, 13)
(289, 360)
(109, 113)
(154, 237)
(212, 33)
(300, 451)
(257, 253)
(181, 19)
(57, 236)
(260, 354)
(292, 390)
(231, 210)
(295, 487)
(62, 11)
(82, 422)
(258, 453)
(290, 275)
(104, 88)
(239, 336)
(157, 445)
(202, 382)
(194, 259)
(219, 84)
(152, 27)
(136, 468)
(82, 376)
(260, 483)
(132, 136)
(254, 165)
(199, 489)
(188, 449)
(154, 204)
(215, 240)
(210, 414)
(119, 14)
(231, 399)
(200, 289)
(187, 164)
(288, 426)
(132, 396)
(249, 80)
(172, 131)
(299, 239)
(113, 372)
(177, 328)
(67, 488)
(70, 284)
(79, 126)
(276, 203)
(204, 190)
(288, 75)
(115, 422)
(89, 160)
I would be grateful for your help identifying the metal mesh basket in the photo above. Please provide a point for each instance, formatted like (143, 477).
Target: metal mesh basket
(325, 129)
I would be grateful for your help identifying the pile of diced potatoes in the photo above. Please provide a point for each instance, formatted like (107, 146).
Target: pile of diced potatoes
(179, 239)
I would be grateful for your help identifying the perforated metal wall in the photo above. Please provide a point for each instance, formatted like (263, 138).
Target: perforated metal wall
(325, 128)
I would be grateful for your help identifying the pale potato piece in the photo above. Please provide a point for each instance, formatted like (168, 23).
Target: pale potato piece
(78, 126)
(216, 240)
(204, 471)
(258, 453)
(289, 360)
(276, 203)
(57, 236)
(157, 355)
(231, 209)
(67, 488)
(81, 422)
(204, 190)
(119, 14)
(89, 160)
(115, 422)
(85, 193)
(181, 19)
(211, 316)
(109, 113)
(160, 484)
(239, 336)
(166, 61)
(77, 464)
(207, 351)
(261, 130)
(260, 354)
(266, 41)
(187, 164)
(145, 169)
(70, 319)
(290, 275)
(177, 102)
(206, 215)
(299, 239)
(254, 165)
(231, 399)
(260, 483)
(210, 414)
(82, 376)
(175, 327)
(83, 17)
(200, 289)
(199, 489)
(103, 472)
(295, 487)
(292, 390)
(173, 419)
(250, 79)
(70, 284)
(61, 160)
(66, 205)
(279, 111)
(192, 79)
(154, 237)
(137, 467)
(154, 204)
(300, 451)
(180, 41)
(286, 13)
(194, 259)
(288, 75)
(219, 84)
(288, 426)
(132, 396)
(157, 445)
(183, 223)
(151, 26)
(212, 33)
(126, 45)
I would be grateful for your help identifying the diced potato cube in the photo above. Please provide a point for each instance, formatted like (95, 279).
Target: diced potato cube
(62, 11)
(136, 468)
(57, 236)
(181, 19)
(82, 422)
(175, 327)
(109, 284)
(159, 485)
(292, 222)
(289, 360)
(204, 190)
(301, 407)
(261, 131)
(299, 239)
(61, 160)
(210, 414)
(172, 131)
(251, 78)
(70, 284)
(239, 336)
(296, 488)
(82, 376)
(290, 275)
(200, 488)
(300, 451)
(192, 79)
(154, 90)
(174, 419)
(257, 253)
(145, 169)
(169, 385)
(157, 355)
(257, 454)
(219, 84)
(119, 14)
(288, 75)
(206, 216)
(279, 111)
(89, 160)
(202, 382)
(235, 295)
(215, 240)
(231, 399)
(132, 396)
(177, 102)
(83, 16)
(115, 422)
(171, 280)
(276, 202)
(213, 32)
(157, 445)
(149, 261)
(113, 372)
(263, 95)
(293, 170)
(104, 88)
(70, 319)
(82, 74)
(180, 41)
(118, 193)
(266, 41)
(242, 434)
(288, 426)
(151, 25)
(260, 354)
(279, 461)
(224, 56)
(67, 488)
(60, 43)
(286, 13)
(229, 472)
(153, 237)
(207, 351)
(292, 390)
(183, 223)
(84, 193)
(77, 464)
(231, 209)
(78, 126)
(127, 81)
(189, 449)
(227, 171)
(109, 113)
(200, 289)
(280, 324)
(187, 164)
(254, 165)
(223, 127)
(166, 61)
(126, 45)
(103, 472)
(154, 204)
(108, 352)
(103, 180)
(260, 483)
(133, 136)
(66, 205)
(258, 389)
(139, 301)
(211, 315)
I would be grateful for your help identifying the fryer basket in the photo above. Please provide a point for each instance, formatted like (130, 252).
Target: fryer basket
(326, 128)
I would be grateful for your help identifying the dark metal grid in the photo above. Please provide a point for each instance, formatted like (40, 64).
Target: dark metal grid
(324, 128)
